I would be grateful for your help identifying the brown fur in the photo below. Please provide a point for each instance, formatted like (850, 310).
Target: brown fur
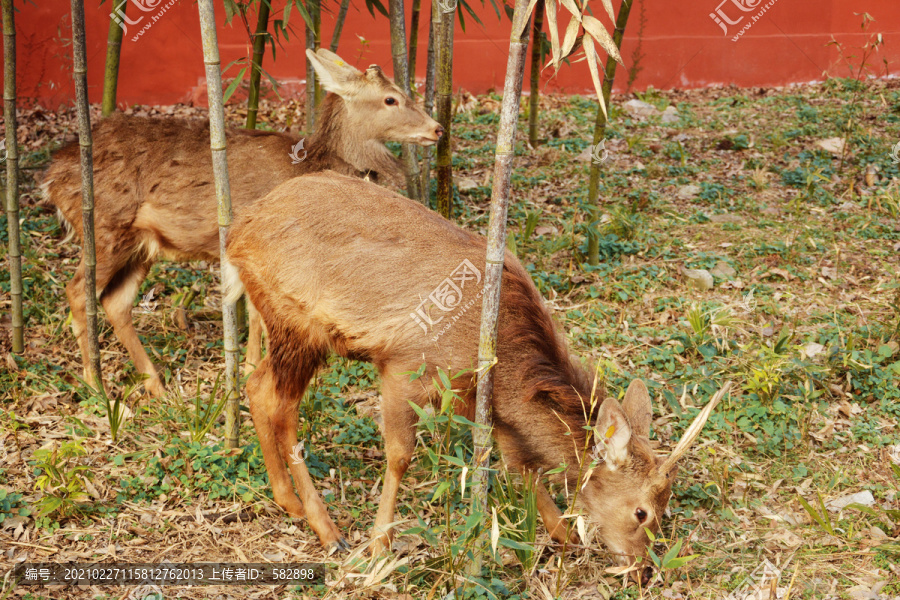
(155, 193)
(329, 273)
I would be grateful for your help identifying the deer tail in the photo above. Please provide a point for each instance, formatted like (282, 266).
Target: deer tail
(63, 221)
(231, 282)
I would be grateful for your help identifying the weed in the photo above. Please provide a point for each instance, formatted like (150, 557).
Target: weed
(62, 481)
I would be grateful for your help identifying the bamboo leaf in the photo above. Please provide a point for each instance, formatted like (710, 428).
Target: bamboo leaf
(231, 10)
(597, 31)
(671, 554)
(495, 530)
(531, 5)
(376, 4)
(462, 21)
(273, 81)
(550, 8)
(571, 36)
(572, 8)
(676, 563)
(234, 85)
(469, 10)
(497, 9)
(515, 545)
(607, 4)
(820, 519)
(591, 57)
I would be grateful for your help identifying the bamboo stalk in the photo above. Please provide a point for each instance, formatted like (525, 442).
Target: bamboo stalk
(87, 187)
(113, 52)
(401, 78)
(444, 104)
(429, 110)
(259, 51)
(534, 101)
(414, 42)
(496, 247)
(311, 82)
(223, 197)
(339, 25)
(316, 6)
(12, 176)
(600, 133)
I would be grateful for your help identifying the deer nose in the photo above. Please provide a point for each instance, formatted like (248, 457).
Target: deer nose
(439, 131)
(646, 576)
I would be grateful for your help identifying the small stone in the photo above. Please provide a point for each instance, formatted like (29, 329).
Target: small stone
(670, 115)
(639, 108)
(723, 270)
(467, 184)
(687, 192)
(699, 279)
(812, 349)
(832, 145)
(865, 498)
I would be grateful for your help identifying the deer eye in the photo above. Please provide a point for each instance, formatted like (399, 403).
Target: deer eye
(390, 101)
(641, 515)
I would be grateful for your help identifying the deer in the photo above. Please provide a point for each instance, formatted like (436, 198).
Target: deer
(155, 198)
(339, 265)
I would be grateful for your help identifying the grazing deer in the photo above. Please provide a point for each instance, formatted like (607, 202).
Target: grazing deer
(155, 195)
(337, 264)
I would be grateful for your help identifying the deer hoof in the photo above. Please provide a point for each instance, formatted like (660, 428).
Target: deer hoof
(155, 387)
(338, 547)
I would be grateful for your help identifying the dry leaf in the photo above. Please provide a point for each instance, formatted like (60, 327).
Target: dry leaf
(591, 56)
(596, 29)
(570, 37)
(572, 8)
(531, 5)
(550, 8)
(495, 526)
(607, 4)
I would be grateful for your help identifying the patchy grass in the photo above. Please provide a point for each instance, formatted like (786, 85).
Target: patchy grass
(804, 316)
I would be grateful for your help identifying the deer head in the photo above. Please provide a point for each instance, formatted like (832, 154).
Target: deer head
(374, 104)
(629, 490)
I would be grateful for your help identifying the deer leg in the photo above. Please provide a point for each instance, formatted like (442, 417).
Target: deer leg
(118, 300)
(551, 515)
(254, 339)
(399, 445)
(275, 418)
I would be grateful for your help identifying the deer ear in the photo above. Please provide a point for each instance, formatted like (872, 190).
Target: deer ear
(335, 74)
(637, 406)
(612, 434)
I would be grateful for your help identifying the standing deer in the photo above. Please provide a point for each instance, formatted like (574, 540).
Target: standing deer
(155, 197)
(337, 264)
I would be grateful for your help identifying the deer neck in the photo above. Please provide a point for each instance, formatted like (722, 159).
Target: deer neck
(341, 138)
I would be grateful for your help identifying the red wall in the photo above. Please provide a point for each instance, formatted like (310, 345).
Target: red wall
(682, 47)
